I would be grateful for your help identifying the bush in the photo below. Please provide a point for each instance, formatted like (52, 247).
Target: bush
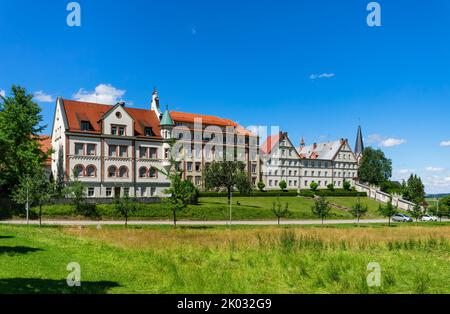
(314, 186)
(283, 185)
(346, 185)
(330, 187)
(261, 186)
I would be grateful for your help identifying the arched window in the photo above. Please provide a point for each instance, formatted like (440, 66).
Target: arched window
(153, 172)
(142, 172)
(91, 171)
(112, 171)
(123, 172)
(79, 171)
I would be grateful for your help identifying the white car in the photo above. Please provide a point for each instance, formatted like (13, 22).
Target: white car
(427, 217)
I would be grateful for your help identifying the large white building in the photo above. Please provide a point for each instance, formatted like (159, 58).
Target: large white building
(117, 150)
(322, 163)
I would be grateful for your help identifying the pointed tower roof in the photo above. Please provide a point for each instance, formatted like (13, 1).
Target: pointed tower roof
(166, 119)
(359, 146)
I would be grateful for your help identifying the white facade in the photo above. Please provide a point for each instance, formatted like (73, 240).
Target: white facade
(324, 164)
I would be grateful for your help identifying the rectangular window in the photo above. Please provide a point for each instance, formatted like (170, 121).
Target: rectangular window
(270, 182)
(142, 152)
(79, 149)
(112, 151)
(197, 166)
(253, 168)
(108, 192)
(152, 192)
(123, 151)
(91, 192)
(113, 130)
(91, 149)
(189, 166)
(122, 131)
(143, 191)
(153, 153)
(126, 191)
(166, 153)
(198, 180)
(306, 183)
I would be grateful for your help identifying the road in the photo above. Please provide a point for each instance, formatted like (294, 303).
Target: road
(191, 223)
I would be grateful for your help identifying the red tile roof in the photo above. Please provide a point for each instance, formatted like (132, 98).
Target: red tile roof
(46, 144)
(270, 143)
(78, 111)
(206, 120)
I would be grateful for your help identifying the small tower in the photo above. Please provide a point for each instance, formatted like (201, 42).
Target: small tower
(155, 104)
(302, 142)
(166, 125)
(359, 146)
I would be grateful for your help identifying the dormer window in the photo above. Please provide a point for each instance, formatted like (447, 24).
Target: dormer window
(148, 131)
(85, 126)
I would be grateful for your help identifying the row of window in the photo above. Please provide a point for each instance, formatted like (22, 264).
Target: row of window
(110, 192)
(313, 173)
(293, 183)
(90, 171)
(86, 149)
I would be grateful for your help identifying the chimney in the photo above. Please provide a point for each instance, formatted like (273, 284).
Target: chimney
(121, 103)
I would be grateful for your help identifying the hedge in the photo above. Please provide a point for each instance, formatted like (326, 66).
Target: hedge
(305, 193)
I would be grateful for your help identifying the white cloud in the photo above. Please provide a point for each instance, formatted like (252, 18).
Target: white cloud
(374, 138)
(445, 143)
(104, 94)
(43, 97)
(2, 93)
(322, 75)
(434, 169)
(437, 184)
(391, 142)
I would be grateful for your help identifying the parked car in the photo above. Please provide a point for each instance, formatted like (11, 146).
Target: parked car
(401, 218)
(428, 217)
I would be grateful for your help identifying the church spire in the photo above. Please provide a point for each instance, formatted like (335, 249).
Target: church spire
(359, 146)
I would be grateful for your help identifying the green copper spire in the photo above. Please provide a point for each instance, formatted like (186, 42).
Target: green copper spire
(166, 119)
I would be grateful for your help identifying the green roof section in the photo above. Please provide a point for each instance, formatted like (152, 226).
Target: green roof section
(166, 119)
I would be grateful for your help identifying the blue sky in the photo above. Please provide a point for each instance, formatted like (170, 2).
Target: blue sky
(257, 62)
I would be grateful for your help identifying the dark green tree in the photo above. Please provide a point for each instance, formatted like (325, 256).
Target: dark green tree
(358, 209)
(346, 185)
(283, 185)
(261, 186)
(321, 207)
(414, 190)
(330, 187)
(227, 175)
(314, 186)
(20, 126)
(181, 192)
(279, 211)
(416, 212)
(388, 210)
(375, 168)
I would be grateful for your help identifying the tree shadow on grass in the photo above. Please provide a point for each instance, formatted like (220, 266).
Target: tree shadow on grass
(49, 286)
(6, 237)
(15, 250)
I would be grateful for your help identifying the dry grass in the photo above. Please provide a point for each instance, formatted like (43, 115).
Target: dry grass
(259, 236)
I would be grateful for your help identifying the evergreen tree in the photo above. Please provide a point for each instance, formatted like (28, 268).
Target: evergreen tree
(414, 190)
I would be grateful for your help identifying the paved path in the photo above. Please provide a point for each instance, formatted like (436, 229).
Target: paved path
(185, 222)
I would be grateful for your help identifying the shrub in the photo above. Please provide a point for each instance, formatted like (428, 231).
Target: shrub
(314, 186)
(346, 185)
(330, 187)
(261, 186)
(283, 185)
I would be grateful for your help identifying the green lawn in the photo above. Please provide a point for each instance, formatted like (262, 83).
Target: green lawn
(413, 259)
(216, 208)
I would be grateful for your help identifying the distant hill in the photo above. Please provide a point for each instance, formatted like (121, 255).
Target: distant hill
(437, 195)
